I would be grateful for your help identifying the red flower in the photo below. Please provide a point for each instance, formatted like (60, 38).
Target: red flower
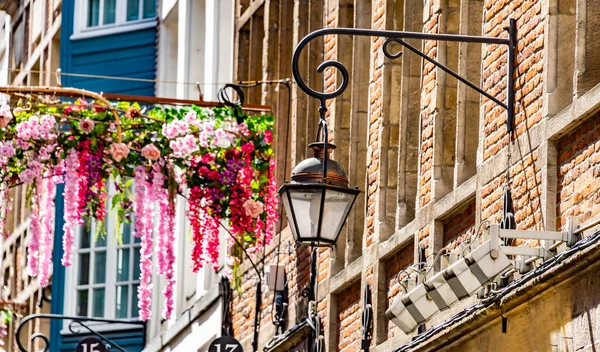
(268, 136)
(248, 148)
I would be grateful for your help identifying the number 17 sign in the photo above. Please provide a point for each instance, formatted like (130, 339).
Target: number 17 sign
(225, 344)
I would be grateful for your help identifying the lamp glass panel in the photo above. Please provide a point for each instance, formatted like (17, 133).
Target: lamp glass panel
(335, 212)
(306, 204)
(288, 212)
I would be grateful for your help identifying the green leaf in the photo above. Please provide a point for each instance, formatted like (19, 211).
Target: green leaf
(128, 183)
(123, 105)
(99, 128)
(117, 198)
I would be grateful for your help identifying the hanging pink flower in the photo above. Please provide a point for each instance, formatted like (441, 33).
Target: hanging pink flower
(33, 253)
(271, 202)
(6, 204)
(145, 215)
(72, 211)
(151, 152)
(86, 125)
(48, 231)
(118, 151)
(253, 208)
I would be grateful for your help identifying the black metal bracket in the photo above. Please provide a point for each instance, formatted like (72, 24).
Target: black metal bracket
(399, 37)
(367, 320)
(227, 324)
(44, 296)
(75, 326)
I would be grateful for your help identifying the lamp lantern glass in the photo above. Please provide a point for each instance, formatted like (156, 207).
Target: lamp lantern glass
(317, 207)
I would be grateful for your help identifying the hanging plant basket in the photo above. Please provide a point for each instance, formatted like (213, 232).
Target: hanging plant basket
(219, 162)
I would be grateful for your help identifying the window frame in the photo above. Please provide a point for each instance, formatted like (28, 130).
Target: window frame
(110, 281)
(82, 31)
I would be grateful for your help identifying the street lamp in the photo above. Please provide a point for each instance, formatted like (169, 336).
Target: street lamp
(317, 202)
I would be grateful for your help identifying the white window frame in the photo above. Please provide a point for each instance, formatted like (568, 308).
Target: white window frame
(110, 284)
(82, 31)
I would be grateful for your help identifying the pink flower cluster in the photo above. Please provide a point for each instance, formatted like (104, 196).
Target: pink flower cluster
(119, 151)
(7, 150)
(37, 128)
(151, 152)
(34, 169)
(39, 256)
(144, 209)
(36, 232)
(253, 208)
(184, 146)
(166, 238)
(6, 206)
(86, 125)
(48, 231)
(271, 203)
(72, 211)
(175, 129)
(205, 228)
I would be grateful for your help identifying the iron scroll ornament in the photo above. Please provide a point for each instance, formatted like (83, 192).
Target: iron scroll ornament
(399, 37)
(75, 326)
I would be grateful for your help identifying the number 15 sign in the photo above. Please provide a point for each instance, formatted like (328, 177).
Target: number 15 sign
(91, 344)
(225, 344)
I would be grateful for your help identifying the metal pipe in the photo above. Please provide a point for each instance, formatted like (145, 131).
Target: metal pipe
(588, 226)
(312, 297)
(555, 245)
(512, 45)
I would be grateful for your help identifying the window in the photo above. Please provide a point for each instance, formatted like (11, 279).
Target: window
(106, 273)
(128, 273)
(105, 17)
(90, 284)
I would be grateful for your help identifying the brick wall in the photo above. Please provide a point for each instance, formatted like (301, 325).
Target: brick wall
(579, 173)
(348, 319)
(460, 227)
(394, 265)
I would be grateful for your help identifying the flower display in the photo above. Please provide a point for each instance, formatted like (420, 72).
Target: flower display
(222, 163)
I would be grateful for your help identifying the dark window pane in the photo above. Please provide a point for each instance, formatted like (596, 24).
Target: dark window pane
(149, 8)
(84, 269)
(123, 264)
(98, 303)
(126, 228)
(93, 12)
(134, 302)
(136, 264)
(122, 301)
(100, 240)
(109, 11)
(82, 302)
(85, 235)
(133, 10)
(100, 267)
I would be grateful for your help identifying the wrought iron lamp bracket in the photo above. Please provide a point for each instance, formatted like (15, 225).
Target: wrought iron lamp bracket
(73, 326)
(399, 37)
